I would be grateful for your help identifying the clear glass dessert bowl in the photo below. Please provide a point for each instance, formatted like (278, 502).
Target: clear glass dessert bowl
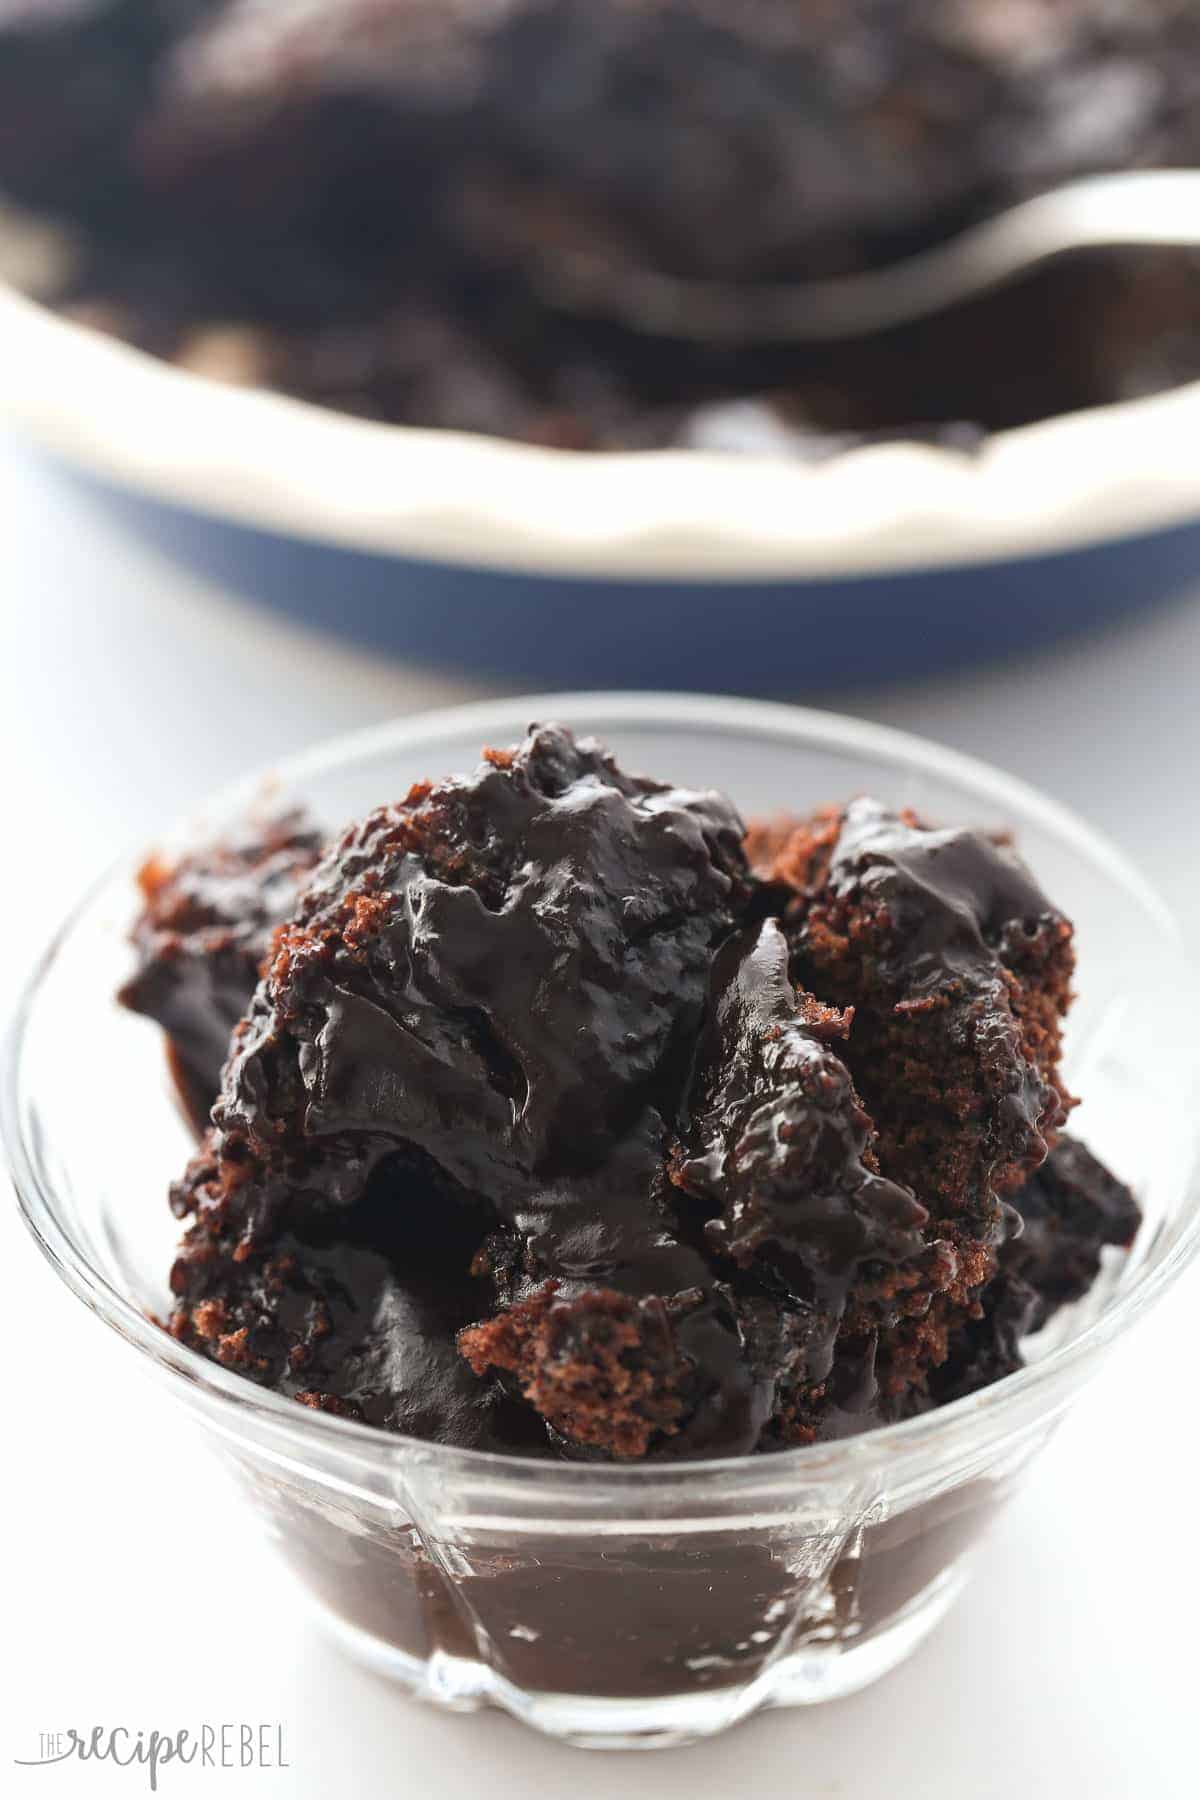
(614, 1604)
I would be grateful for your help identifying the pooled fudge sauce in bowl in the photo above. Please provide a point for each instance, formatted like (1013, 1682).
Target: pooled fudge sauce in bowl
(630, 1258)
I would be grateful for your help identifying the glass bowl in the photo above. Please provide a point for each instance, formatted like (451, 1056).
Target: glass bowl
(618, 1605)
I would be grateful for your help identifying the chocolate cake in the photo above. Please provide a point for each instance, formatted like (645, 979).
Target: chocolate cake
(206, 926)
(218, 166)
(565, 1118)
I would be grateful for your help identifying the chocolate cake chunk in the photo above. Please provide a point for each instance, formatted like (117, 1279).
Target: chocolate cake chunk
(357, 1316)
(204, 933)
(958, 969)
(985, 1346)
(626, 1337)
(503, 968)
(782, 1145)
(501, 971)
(1070, 1209)
(529, 1140)
(615, 1328)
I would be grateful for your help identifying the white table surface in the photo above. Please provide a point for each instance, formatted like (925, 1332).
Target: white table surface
(136, 1594)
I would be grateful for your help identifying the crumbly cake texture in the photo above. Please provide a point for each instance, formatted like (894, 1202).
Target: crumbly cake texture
(566, 1118)
(959, 971)
(219, 162)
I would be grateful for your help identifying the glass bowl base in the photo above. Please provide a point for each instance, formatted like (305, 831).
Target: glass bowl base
(807, 1677)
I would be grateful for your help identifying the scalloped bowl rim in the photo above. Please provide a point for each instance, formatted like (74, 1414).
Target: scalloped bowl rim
(264, 460)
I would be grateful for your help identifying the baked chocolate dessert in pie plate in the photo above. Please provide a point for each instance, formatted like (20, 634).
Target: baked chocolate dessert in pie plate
(429, 422)
(645, 1177)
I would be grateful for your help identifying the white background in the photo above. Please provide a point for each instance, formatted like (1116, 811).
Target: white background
(136, 1594)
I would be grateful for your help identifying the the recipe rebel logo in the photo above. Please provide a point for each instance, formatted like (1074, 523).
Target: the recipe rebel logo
(227, 1746)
